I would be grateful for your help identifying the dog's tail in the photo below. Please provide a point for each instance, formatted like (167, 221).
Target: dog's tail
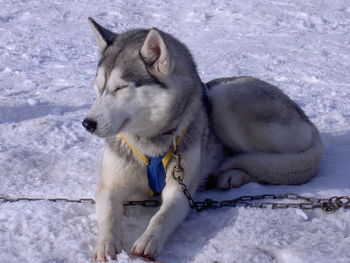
(280, 168)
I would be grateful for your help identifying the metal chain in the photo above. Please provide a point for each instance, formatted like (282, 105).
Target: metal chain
(330, 205)
(144, 203)
(67, 200)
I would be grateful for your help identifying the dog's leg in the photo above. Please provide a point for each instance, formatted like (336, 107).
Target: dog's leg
(173, 210)
(109, 208)
(273, 168)
(115, 186)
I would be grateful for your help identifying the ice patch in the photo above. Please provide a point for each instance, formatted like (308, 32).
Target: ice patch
(302, 214)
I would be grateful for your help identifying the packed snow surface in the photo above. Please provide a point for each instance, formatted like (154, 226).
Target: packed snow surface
(48, 59)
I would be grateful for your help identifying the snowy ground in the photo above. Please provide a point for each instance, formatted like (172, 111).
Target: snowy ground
(48, 61)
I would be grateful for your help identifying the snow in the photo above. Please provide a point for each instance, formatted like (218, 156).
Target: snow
(48, 61)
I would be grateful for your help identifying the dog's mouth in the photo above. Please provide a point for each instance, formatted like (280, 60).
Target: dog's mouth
(124, 124)
(111, 133)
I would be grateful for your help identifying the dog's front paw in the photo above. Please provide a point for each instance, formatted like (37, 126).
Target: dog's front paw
(107, 249)
(148, 246)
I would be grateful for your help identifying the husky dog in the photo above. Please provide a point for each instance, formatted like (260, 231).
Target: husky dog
(148, 92)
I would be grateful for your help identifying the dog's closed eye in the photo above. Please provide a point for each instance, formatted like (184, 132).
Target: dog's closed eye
(120, 87)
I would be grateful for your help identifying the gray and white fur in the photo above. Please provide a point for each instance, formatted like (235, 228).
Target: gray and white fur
(147, 84)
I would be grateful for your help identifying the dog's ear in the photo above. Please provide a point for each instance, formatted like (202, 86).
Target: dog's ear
(103, 36)
(155, 53)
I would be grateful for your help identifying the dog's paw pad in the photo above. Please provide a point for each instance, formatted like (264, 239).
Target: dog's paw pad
(107, 250)
(147, 246)
(231, 179)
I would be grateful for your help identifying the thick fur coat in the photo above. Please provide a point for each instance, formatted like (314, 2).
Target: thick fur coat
(147, 84)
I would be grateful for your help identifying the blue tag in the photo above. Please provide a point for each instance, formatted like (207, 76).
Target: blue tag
(156, 174)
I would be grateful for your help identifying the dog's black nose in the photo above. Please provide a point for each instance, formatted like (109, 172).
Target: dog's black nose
(89, 125)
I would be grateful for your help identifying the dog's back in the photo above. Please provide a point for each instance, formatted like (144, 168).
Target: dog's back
(277, 143)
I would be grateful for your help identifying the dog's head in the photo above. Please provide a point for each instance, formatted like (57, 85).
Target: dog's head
(144, 81)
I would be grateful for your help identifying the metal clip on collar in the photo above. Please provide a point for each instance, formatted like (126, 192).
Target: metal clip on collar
(178, 170)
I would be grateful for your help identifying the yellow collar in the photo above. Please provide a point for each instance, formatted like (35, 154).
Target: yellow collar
(144, 159)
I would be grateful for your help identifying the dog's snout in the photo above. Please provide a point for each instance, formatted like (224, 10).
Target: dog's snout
(89, 125)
